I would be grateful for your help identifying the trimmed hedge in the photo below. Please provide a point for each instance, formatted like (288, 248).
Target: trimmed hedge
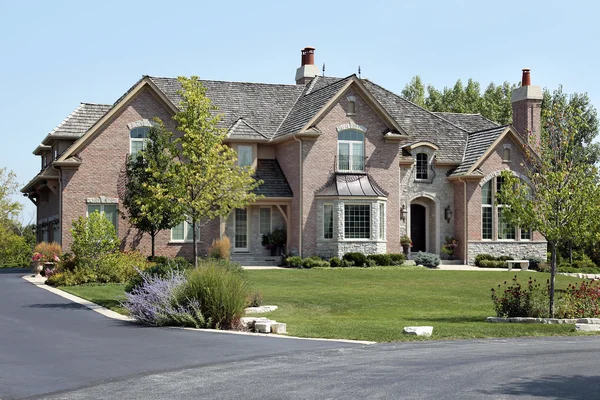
(359, 259)
(428, 260)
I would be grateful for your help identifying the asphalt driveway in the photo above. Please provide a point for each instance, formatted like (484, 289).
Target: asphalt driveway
(49, 344)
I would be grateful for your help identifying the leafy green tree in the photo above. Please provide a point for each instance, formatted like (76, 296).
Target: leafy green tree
(210, 181)
(14, 249)
(9, 209)
(151, 190)
(561, 199)
(94, 238)
(415, 91)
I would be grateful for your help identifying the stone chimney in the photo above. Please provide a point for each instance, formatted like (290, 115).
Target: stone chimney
(308, 69)
(527, 110)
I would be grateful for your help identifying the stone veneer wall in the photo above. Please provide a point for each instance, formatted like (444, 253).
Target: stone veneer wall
(517, 250)
(338, 246)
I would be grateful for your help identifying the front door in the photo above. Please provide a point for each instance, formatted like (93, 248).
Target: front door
(418, 229)
(240, 226)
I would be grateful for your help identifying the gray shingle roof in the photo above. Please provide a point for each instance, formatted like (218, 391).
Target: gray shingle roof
(477, 144)
(468, 122)
(274, 182)
(79, 121)
(262, 106)
(242, 130)
(309, 104)
(352, 185)
(422, 125)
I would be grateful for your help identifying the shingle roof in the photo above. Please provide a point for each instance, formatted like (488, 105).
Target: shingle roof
(477, 145)
(262, 106)
(274, 182)
(468, 122)
(80, 120)
(310, 103)
(422, 125)
(242, 130)
(352, 185)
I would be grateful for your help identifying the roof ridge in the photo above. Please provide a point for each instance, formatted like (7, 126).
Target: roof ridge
(223, 81)
(312, 84)
(331, 84)
(287, 114)
(66, 119)
(416, 105)
(455, 113)
(95, 104)
(489, 129)
(252, 127)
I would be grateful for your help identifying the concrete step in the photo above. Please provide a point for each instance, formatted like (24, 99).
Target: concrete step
(256, 260)
(452, 262)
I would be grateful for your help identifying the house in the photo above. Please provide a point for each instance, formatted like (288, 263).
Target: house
(347, 166)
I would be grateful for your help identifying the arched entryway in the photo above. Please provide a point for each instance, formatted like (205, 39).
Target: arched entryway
(418, 227)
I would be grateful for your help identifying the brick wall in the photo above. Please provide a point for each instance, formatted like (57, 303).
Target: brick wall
(287, 155)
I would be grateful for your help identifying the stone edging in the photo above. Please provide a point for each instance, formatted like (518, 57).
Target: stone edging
(582, 276)
(591, 321)
(40, 282)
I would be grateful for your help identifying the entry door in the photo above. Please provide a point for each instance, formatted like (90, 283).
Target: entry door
(418, 230)
(240, 225)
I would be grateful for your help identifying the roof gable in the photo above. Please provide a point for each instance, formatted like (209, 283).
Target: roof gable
(78, 122)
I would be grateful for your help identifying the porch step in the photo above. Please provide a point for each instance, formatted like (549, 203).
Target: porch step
(256, 260)
(452, 262)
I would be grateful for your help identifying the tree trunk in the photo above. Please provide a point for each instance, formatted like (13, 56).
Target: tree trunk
(195, 240)
(153, 236)
(552, 276)
(571, 253)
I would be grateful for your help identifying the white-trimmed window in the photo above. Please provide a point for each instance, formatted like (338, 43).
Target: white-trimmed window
(351, 150)
(137, 139)
(184, 232)
(487, 212)
(381, 221)
(357, 221)
(45, 233)
(505, 230)
(327, 221)
(422, 166)
(44, 161)
(506, 154)
(109, 211)
(244, 155)
(264, 217)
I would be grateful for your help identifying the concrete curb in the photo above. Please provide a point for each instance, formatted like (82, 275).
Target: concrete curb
(40, 282)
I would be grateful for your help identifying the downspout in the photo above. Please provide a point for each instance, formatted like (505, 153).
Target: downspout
(301, 198)
(466, 221)
(60, 203)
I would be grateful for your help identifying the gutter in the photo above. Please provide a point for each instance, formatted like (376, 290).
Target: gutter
(301, 196)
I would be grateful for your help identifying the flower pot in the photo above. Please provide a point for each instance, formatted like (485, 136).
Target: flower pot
(37, 268)
(405, 248)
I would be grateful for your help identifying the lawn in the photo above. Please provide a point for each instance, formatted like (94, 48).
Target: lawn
(376, 303)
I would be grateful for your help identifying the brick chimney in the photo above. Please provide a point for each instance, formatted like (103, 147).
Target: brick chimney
(308, 69)
(527, 110)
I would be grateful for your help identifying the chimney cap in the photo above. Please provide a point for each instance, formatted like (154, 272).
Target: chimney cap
(526, 79)
(308, 48)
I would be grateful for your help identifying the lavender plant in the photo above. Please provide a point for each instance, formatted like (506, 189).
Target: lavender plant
(156, 303)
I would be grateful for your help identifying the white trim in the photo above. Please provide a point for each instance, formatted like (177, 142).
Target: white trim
(370, 238)
(187, 225)
(248, 215)
(270, 220)
(102, 205)
(351, 126)
(332, 222)
(433, 197)
(140, 123)
(408, 218)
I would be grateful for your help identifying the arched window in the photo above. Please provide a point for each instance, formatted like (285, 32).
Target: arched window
(422, 166)
(506, 155)
(351, 150)
(137, 139)
(351, 107)
(493, 225)
(487, 211)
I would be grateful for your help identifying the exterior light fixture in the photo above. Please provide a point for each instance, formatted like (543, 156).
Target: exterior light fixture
(447, 214)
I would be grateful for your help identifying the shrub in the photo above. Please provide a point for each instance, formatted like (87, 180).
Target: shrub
(93, 238)
(314, 262)
(428, 260)
(161, 269)
(513, 300)
(380, 259)
(79, 276)
(492, 264)
(397, 258)
(120, 267)
(14, 249)
(334, 262)
(255, 300)
(480, 257)
(294, 261)
(221, 294)
(220, 248)
(346, 264)
(581, 301)
(584, 264)
(358, 259)
(155, 302)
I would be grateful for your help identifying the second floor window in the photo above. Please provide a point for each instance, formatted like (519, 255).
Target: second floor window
(244, 156)
(422, 165)
(138, 137)
(351, 150)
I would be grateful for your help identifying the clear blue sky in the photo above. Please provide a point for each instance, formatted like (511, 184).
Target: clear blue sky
(55, 54)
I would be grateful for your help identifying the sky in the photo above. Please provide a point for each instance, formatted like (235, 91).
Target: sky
(56, 54)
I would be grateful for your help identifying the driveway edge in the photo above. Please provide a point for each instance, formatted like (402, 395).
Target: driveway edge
(40, 282)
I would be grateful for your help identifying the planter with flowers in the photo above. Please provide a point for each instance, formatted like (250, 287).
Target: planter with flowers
(275, 241)
(406, 243)
(450, 247)
(45, 256)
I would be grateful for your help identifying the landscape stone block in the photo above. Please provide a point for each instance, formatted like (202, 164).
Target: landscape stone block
(418, 330)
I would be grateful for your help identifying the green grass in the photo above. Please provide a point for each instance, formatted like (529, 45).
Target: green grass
(376, 303)
(108, 295)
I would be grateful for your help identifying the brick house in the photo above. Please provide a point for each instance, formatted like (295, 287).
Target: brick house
(347, 166)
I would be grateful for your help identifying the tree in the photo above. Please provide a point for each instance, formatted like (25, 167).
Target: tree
(210, 182)
(152, 185)
(415, 91)
(561, 199)
(9, 209)
(94, 237)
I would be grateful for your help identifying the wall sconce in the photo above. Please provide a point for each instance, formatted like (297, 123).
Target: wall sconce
(447, 214)
(403, 212)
